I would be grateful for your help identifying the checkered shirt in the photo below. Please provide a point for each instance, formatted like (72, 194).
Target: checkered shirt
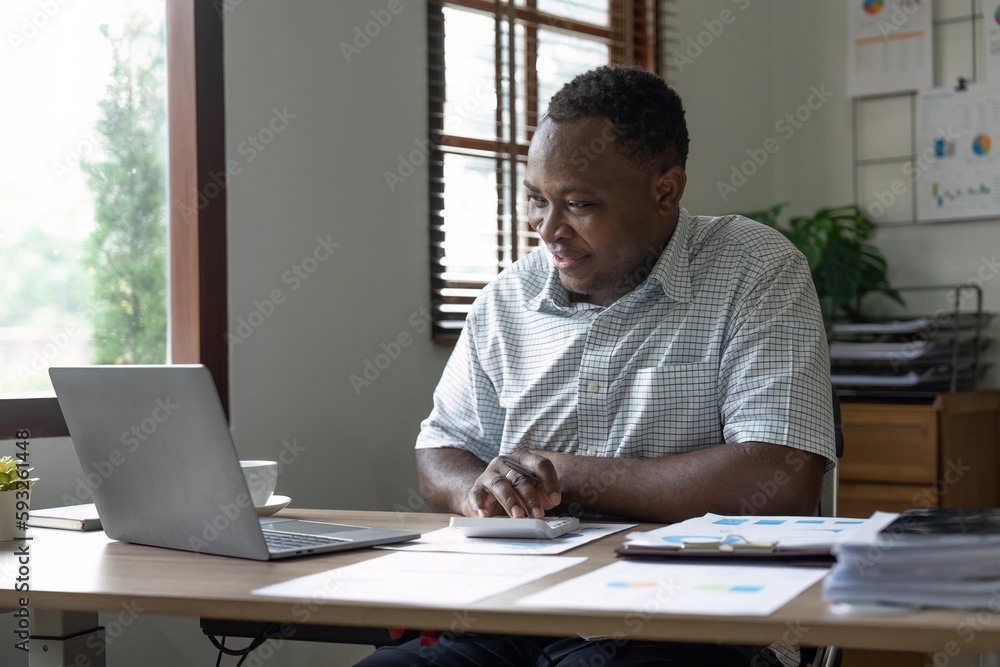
(723, 342)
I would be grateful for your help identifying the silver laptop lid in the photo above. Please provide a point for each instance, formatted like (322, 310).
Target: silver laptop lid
(158, 457)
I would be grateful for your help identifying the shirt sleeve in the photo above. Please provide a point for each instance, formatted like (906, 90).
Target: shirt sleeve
(774, 373)
(466, 413)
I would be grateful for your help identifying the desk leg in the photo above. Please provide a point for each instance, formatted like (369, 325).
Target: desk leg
(66, 639)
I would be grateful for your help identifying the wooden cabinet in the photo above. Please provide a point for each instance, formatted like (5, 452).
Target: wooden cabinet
(901, 456)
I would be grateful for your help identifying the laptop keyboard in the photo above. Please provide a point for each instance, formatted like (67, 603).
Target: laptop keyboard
(287, 541)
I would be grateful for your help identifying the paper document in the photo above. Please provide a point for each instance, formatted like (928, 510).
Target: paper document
(902, 351)
(419, 578)
(957, 130)
(990, 36)
(665, 588)
(910, 379)
(893, 327)
(889, 46)
(451, 540)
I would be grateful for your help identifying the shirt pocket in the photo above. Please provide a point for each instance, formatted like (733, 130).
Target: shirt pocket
(670, 409)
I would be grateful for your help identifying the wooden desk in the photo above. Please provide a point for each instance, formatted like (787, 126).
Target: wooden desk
(72, 571)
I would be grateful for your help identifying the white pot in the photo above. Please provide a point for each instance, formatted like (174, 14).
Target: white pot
(11, 512)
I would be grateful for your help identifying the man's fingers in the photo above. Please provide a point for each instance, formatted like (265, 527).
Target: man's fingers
(527, 493)
(481, 503)
(549, 490)
(508, 497)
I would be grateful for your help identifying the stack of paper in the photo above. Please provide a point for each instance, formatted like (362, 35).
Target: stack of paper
(899, 351)
(925, 557)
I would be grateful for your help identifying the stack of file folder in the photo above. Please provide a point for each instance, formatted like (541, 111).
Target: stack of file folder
(923, 557)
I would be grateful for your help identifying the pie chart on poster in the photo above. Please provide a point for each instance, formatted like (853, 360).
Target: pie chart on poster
(873, 7)
(981, 144)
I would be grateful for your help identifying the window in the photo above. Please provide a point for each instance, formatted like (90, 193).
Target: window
(197, 283)
(493, 66)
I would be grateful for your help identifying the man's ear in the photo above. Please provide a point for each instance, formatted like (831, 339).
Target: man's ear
(670, 189)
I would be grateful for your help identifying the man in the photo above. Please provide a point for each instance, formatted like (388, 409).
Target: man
(644, 363)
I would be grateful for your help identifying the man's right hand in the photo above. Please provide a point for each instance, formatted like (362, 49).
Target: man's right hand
(500, 490)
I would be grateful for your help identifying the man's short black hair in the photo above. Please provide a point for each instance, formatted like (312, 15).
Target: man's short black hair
(646, 113)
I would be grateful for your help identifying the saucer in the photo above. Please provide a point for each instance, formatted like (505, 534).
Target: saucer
(273, 504)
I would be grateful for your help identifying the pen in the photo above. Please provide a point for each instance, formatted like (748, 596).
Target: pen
(514, 465)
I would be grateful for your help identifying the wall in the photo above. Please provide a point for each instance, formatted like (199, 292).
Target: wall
(812, 166)
(727, 103)
(320, 176)
(817, 170)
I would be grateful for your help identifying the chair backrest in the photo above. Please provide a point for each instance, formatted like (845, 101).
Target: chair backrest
(838, 433)
(828, 494)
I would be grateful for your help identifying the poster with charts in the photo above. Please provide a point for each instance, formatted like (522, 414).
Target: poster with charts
(990, 35)
(889, 46)
(957, 168)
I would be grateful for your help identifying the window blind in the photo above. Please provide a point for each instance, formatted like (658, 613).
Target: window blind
(493, 65)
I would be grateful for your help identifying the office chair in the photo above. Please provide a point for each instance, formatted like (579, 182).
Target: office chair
(828, 656)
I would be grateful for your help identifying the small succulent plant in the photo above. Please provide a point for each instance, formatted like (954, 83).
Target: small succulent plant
(10, 475)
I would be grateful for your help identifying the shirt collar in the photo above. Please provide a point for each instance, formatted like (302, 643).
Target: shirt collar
(672, 272)
(673, 269)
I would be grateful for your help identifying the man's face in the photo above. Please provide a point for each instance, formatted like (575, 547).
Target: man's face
(602, 218)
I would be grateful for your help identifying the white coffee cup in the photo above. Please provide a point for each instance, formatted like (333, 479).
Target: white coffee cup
(262, 477)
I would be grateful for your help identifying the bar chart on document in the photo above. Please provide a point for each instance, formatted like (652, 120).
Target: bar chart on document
(957, 167)
(889, 46)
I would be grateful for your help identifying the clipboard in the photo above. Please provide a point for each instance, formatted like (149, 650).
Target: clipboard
(805, 557)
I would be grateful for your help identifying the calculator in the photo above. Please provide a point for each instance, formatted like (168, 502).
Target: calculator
(495, 526)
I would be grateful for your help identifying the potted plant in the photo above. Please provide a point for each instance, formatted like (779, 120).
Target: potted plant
(15, 488)
(845, 265)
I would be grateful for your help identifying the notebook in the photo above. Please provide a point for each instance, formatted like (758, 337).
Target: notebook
(157, 454)
(70, 517)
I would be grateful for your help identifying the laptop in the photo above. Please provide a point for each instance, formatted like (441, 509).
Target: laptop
(157, 454)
